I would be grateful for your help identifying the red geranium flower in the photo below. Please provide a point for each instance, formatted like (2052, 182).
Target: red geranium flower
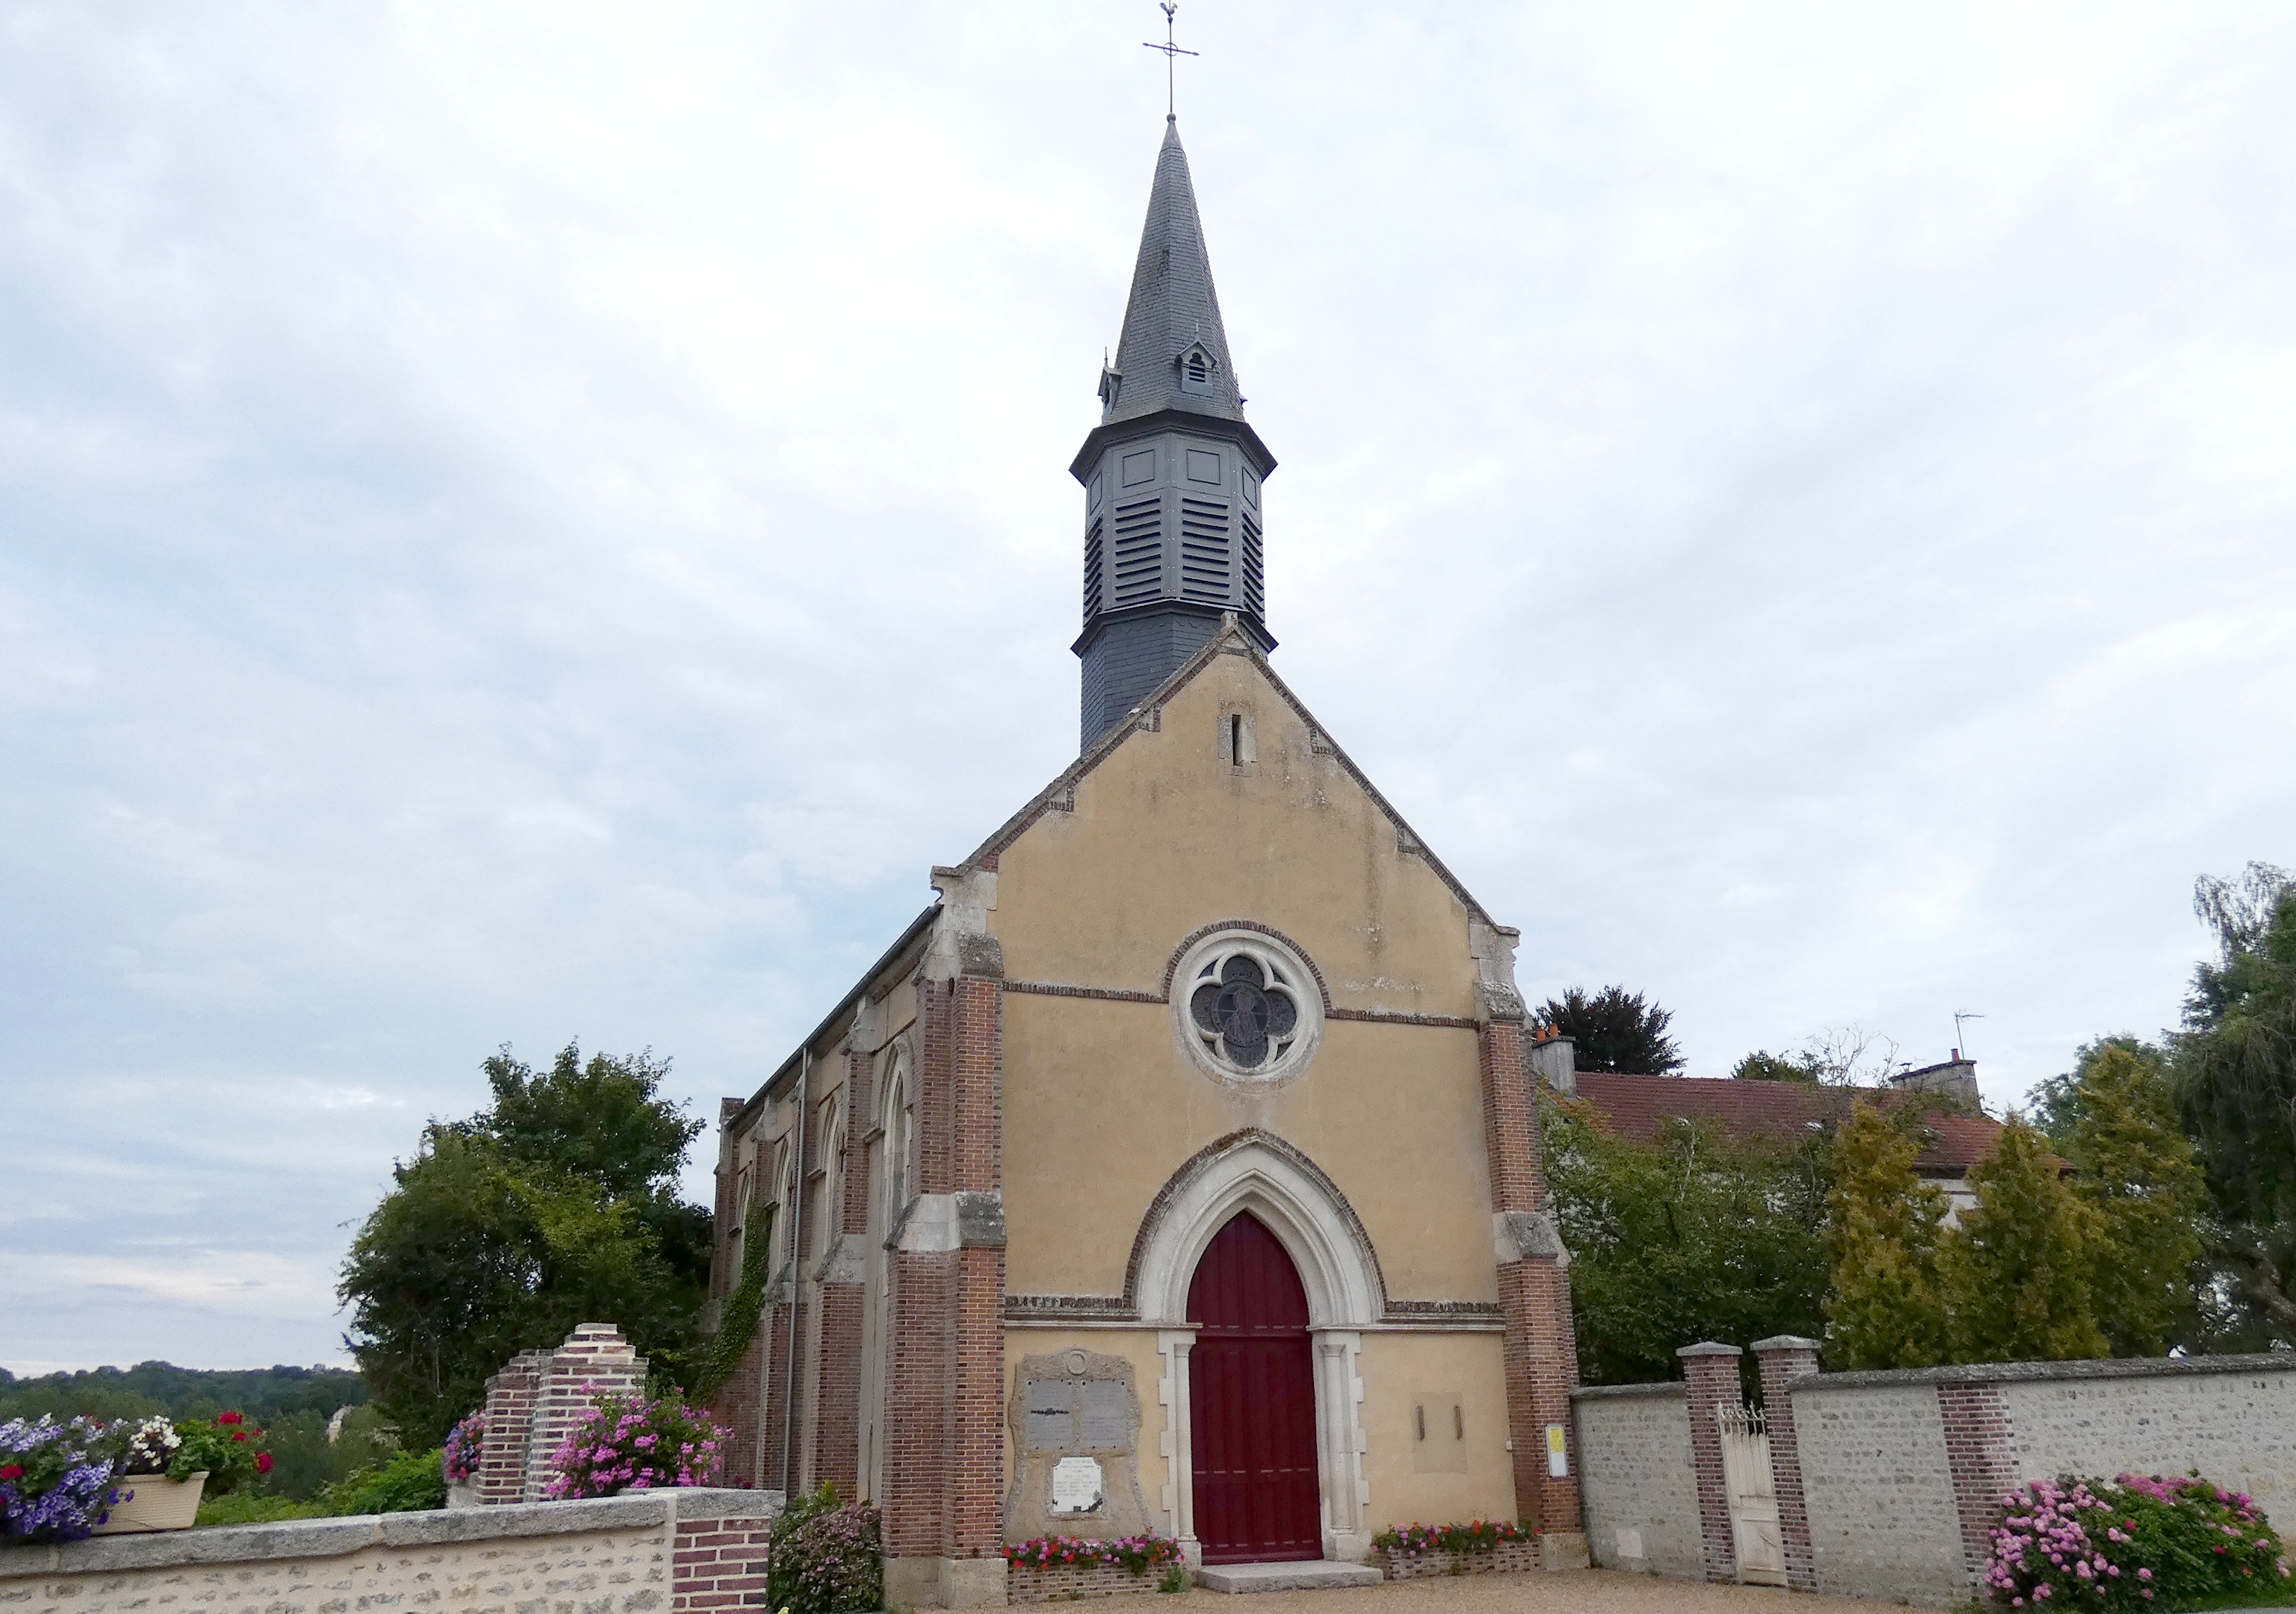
(229, 1418)
(263, 1463)
(13, 1471)
(239, 1434)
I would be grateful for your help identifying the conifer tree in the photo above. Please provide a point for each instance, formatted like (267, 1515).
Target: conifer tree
(2017, 1269)
(1886, 1308)
(2135, 1170)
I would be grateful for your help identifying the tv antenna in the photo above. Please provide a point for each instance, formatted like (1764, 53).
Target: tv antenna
(1172, 53)
(1959, 1015)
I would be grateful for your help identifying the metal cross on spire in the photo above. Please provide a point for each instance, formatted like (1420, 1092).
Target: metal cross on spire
(1171, 55)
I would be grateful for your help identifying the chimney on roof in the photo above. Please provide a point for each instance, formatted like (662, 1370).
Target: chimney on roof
(1955, 1078)
(1555, 1059)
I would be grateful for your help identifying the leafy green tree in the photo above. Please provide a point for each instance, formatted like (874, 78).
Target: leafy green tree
(1615, 1030)
(2017, 1270)
(2233, 1071)
(1763, 1066)
(555, 1207)
(1698, 1237)
(2136, 1172)
(1885, 1307)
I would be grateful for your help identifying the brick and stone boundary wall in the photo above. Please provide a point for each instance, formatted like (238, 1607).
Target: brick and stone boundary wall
(1507, 1557)
(681, 1552)
(1888, 1483)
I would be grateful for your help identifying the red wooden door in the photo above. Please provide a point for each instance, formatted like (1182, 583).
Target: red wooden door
(1252, 1401)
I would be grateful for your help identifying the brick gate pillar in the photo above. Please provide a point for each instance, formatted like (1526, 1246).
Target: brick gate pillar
(1784, 1359)
(1712, 1373)
(1538, 1348)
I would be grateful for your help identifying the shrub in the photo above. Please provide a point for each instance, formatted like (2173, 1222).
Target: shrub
(55, 1478)
(464, 1449)
(408, 1482)
(826, 1557)
(637, 1443)
(2139, 1543)
(1138, 1553)
(1476, 1536)
(257, 1507)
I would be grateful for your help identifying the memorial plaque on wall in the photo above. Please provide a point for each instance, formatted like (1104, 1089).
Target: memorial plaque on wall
(1107, 1416)
(1050, 1420)
(1077, 1487)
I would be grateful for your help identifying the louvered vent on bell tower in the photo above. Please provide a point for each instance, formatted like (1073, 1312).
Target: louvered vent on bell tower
(1139, 552)
(1204, 566)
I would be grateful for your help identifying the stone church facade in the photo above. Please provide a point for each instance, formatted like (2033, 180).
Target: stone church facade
(1177, 1169)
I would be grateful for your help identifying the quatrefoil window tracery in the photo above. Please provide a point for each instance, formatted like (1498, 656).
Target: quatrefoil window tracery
(1247, 1008)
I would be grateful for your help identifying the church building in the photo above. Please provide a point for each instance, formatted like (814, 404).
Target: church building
(1177, 1169)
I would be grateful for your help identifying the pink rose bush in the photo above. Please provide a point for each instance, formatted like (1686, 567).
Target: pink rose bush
(637, 1443)
(2139, 1542)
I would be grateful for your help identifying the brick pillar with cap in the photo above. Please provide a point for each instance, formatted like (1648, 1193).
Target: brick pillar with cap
(1782, 1359)
(1711, 1370)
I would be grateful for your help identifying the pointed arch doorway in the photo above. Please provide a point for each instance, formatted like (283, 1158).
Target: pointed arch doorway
(1252, 1401)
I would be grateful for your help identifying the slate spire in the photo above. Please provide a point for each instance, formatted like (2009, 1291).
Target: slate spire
(1174, 310)
(1172, 475)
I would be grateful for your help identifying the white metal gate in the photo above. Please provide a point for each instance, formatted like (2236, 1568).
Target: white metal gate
(1753, 1501)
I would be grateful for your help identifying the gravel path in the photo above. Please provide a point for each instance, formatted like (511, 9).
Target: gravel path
(1569, 1592)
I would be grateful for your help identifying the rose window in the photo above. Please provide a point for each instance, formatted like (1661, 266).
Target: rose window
(1250, 1008)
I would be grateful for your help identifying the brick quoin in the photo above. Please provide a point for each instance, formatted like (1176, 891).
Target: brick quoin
(1538, 1349)
(509, 1405)
(1784, 1360)
(1712, 1373)
(1978, 1442)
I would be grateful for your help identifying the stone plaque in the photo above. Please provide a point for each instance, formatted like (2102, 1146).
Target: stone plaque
(1077, 1487)
(1051, 1421)
(1107, 1415)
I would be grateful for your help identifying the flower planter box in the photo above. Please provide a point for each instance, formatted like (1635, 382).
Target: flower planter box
(1071, 1581)
(1507, 1557)
(153, 1501)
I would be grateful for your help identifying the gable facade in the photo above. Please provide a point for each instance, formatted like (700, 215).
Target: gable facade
(1177, 1169)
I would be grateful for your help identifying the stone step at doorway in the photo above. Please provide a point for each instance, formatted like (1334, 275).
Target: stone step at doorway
(1309, 1575)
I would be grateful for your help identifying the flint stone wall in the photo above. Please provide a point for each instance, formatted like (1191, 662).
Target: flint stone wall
(1636, 1480)
(1879, 1490)
(683, 1552)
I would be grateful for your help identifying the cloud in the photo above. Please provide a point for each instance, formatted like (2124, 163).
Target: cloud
(548, 523)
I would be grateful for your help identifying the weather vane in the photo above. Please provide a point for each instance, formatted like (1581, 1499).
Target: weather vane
(1171, 53)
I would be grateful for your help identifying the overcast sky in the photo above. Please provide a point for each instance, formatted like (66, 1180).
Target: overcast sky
(520, 522)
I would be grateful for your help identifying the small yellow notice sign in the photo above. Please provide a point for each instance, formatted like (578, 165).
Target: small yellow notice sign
(1558, 1455)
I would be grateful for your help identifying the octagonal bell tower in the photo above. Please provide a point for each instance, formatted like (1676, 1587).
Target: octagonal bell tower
(1172, 475)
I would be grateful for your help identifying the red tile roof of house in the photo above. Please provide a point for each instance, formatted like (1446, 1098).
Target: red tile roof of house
(1636, 1106)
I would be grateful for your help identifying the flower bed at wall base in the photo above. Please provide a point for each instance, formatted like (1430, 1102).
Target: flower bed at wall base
(1136, 1554)
(1476, 1536)
(2138, 1542)
(637, 1443)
